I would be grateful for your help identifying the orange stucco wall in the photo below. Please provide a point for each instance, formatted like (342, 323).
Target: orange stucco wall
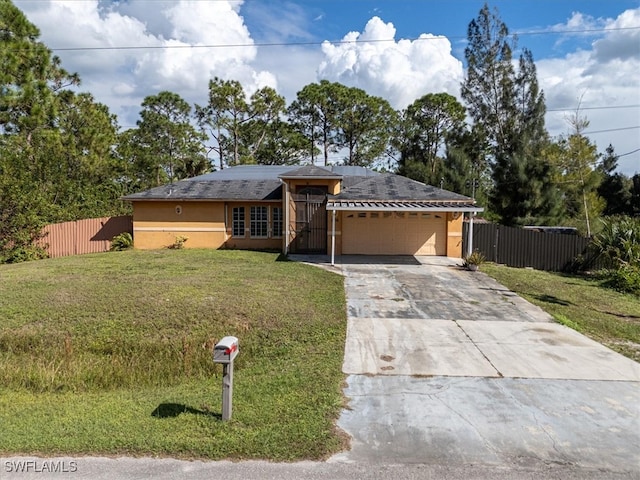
(159, 224)
(454, 235)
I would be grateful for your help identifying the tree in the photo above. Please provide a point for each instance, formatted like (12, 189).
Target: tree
(615, 188)
(221, 118)
(364, 124)
(314, 114)
(169, 144)
(237, 126)
(509, 106)
(426, 127)
(578, 175)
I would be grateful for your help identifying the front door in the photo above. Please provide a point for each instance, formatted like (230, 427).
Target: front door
(311, 220)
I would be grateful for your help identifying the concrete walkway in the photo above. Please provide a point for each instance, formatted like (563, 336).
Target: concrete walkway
(447, 367)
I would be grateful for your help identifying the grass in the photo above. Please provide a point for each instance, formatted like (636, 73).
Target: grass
(111, 354)
(579, 302)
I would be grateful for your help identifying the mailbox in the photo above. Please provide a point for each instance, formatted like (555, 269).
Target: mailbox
(225, 350)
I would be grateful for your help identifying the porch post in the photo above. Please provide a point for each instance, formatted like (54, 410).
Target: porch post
(470, 234)
(286, 216)
(333, 237)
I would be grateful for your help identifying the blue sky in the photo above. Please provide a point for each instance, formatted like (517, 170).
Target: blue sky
(595, 67)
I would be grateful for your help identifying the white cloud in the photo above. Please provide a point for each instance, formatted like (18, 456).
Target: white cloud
(181, 55)
(400, 71)
(605, 75)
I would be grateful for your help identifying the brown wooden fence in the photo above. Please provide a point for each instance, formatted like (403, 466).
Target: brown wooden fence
(518, 247)
(84, 236)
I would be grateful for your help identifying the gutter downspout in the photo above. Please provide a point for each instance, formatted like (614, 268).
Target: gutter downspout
(333, 238)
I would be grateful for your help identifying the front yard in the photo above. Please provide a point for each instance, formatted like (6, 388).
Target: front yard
(110, 354)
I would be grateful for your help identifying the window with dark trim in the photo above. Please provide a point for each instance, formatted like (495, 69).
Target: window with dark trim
(259, 221)
(276, 221)
(238, 222)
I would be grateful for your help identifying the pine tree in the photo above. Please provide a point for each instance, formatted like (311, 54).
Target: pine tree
(508, 105)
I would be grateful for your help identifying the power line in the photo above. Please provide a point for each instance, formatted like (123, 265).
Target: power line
(591, 108)
(628, 153)
(611, 130)
(317, 43)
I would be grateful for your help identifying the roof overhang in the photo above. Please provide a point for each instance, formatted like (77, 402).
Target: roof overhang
(407, 206)
(208, 200)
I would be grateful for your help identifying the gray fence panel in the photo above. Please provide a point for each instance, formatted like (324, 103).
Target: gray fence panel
(517, 247)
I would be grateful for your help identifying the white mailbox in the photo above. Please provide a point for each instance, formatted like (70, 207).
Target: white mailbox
(225, 350)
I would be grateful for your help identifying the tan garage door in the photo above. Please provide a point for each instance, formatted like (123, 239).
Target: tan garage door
(394, 233)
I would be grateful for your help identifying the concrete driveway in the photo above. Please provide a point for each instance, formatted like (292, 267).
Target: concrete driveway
(448, 367)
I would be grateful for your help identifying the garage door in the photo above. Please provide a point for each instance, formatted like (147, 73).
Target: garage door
(394, 233)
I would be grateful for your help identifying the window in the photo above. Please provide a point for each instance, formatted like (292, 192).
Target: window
(277, 221)
(238, 222)
(259, 222)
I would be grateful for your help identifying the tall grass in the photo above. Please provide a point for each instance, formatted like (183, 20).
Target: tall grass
(129, 319)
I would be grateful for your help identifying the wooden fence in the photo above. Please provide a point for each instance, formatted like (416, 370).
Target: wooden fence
(84, 236)
(518, 247)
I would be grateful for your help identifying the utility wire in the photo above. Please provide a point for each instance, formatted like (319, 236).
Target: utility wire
(317, 43)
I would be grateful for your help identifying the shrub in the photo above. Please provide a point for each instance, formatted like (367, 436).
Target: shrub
(476, 258)
(625, 279)
(121, 242)
(179, 243)
(619, 241)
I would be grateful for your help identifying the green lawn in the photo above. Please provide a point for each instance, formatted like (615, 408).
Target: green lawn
(580, 302)
(111, 354)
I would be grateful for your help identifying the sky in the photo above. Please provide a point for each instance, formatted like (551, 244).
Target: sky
(587, 52)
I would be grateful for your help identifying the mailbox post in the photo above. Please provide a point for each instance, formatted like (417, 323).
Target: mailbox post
(224, 353)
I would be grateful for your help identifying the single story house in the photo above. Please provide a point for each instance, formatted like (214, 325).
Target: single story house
(315, 210)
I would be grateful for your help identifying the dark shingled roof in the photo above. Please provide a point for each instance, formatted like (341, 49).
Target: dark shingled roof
(395, 187)
(310, 171)
(214, 190)
(263, 183)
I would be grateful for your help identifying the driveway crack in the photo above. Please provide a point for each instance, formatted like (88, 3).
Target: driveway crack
(479, 349)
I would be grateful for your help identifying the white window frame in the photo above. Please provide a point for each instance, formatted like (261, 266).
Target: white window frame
(259, 221)
(238, 222)
(277, 212)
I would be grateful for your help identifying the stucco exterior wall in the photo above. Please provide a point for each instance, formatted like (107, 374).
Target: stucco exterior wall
(454, 234)
(158, 224)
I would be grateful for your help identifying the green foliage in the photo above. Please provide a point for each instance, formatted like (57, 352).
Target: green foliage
(427, 125)
(506, 104)
(476, 258)
(625, 278)
(166, 145)
(619, 241)
(124, 241)
(616, 189)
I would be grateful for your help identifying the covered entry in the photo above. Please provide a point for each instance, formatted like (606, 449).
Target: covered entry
(310, 220)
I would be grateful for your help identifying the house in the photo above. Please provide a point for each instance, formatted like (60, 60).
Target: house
(316, 210)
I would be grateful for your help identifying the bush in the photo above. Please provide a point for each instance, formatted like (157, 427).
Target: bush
(23, 253)
(625, 279)
(121, 242)
(179, 243)
(619, 241)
